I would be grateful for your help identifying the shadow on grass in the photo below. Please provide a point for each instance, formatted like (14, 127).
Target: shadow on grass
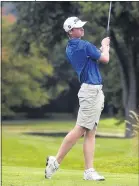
(63, 134)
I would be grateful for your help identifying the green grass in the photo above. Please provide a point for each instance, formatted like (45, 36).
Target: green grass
(26, 176)
(23, 157)
(105, 125)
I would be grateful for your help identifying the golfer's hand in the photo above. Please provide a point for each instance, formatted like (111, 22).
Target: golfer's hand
(105, 41)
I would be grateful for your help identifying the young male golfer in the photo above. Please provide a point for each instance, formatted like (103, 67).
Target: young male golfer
(84, 58)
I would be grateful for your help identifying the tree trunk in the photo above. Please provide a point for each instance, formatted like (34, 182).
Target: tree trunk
(131, 104)
(128, 82)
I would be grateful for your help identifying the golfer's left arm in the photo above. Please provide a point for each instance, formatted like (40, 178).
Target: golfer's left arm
(104, 57)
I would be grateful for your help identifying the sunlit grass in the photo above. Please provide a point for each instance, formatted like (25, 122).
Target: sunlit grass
(26, 176)
(114, 155)
(23, 157)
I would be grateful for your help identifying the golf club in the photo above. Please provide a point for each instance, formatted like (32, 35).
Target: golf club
(109, 16)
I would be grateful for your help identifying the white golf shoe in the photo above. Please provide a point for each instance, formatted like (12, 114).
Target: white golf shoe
(51, 167)
(91, 174)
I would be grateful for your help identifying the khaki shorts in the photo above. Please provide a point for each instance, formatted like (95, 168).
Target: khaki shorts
(91, 101)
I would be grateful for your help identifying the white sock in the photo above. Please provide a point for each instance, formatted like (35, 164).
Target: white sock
(88, 170)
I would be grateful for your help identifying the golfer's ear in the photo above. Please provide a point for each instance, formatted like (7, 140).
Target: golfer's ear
(70, 32)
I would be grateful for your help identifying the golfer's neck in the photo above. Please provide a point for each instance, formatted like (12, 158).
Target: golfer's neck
(75, 38)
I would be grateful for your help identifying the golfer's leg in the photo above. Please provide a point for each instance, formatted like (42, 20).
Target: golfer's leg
(89, 148)
(89, 138)
(69, 141)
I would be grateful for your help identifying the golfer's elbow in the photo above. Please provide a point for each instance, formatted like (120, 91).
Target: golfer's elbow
(104, 59)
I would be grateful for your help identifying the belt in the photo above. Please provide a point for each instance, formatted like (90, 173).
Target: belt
(85, 85)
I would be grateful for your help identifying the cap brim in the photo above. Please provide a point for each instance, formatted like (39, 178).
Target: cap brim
(80, 24)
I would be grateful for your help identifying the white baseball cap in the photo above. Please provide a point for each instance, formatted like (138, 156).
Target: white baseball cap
(73, 22)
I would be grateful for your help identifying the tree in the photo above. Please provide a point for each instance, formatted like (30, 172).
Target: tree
(36, 31)
(42, 23)
(23, 78)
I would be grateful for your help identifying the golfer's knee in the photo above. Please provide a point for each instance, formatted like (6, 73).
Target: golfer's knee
(91, 132)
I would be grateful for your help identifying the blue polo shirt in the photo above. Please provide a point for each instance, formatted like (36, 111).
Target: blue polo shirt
(83, 56)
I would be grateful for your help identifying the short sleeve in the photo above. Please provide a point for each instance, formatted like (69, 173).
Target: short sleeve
(92, 51)
(67, 56)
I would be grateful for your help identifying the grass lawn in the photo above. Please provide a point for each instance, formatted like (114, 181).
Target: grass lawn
(23, 157)
(26, 176)
(105, 125)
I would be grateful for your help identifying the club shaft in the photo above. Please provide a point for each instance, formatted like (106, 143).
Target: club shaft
(109, 16)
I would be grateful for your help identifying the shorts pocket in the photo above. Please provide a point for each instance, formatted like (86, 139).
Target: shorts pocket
(87, 98)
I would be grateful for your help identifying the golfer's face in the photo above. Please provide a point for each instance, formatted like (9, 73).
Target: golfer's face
(78, 32)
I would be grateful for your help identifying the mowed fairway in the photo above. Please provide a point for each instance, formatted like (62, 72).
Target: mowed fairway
(23, 157)
(25, 176)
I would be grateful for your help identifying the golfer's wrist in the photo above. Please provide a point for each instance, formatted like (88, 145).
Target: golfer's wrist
(105, 48)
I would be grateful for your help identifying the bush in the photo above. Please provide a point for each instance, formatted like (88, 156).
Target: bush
(135, 118)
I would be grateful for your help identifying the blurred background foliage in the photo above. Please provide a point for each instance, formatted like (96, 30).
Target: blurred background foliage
(37, 79)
